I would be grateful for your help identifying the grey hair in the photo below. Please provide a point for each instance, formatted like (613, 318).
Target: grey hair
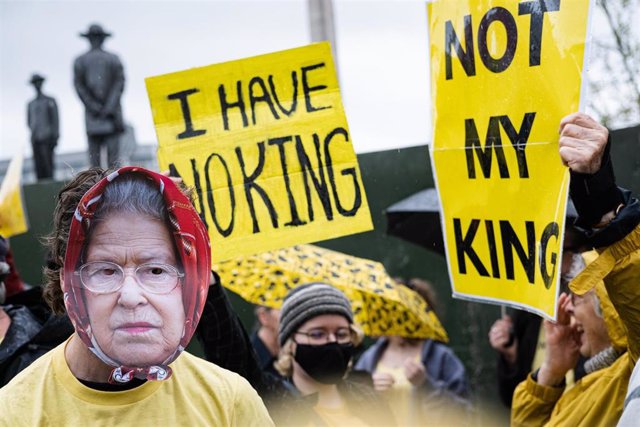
(597, 306)
(132, 193)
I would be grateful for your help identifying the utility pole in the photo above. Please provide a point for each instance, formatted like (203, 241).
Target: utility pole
(321, 24)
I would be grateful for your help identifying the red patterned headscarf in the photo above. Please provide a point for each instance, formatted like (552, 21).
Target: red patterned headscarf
(192, 243)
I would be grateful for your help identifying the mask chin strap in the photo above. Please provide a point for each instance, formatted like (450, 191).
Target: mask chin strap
(123, 374)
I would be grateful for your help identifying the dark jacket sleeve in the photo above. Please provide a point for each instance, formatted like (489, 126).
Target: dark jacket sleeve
(224, 340)
(444, 370)
(526, 329)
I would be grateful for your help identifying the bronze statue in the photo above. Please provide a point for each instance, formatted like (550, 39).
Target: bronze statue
(99, 81)
(42, 118)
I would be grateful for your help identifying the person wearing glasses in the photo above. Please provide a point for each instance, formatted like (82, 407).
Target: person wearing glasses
(131, 268)
(601, 320)
(317, 339)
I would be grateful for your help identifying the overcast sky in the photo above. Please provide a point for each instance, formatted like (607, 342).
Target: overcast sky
(382, 55)
(382, 50)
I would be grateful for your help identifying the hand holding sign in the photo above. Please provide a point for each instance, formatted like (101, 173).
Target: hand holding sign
(502, 340)
(582, 143)
(498, 97)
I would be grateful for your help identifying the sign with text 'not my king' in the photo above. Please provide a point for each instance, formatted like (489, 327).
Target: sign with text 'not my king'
(503, 75)
(265, 144)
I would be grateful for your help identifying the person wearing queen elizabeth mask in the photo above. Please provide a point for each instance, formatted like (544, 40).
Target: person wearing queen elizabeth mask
(135, 273)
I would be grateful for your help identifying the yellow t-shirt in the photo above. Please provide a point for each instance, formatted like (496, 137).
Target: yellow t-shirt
(338, 417)
(400, 396)
(199, 393)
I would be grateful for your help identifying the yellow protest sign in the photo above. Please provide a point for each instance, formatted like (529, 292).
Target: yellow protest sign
(265, 143)
(503, 74)
(13, 219)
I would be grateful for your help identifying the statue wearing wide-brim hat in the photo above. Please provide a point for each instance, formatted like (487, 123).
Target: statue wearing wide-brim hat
(95, 30)
(98, 77)
(43, 121)
(36, 78)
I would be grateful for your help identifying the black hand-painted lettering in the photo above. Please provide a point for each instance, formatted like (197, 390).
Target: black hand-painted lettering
(279, 142)
(210, 190)
(306, 89)
(551, 230)
(493, 249)
(536, 9)
(294, 97)
(226, 105)
(345, 172)
(499, 14)
(249, 182)
(198, 186)
(464, 246)
(494, 142)
(189, 131)
(319, 183)
(519, 139)
(510, 242)
(466, 57)
(264, 97)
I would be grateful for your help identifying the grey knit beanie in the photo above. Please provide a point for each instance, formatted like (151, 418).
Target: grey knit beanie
(308, 301)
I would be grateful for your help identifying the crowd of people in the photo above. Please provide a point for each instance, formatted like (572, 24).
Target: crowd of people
(129, 282)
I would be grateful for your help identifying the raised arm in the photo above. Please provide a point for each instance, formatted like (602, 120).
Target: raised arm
(609, 216)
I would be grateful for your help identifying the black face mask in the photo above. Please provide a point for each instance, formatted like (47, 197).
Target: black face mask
(326, 363)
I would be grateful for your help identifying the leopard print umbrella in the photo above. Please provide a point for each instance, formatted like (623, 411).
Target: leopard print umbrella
(380, 306)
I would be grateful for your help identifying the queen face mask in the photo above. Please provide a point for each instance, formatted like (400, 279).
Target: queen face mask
(134, 286)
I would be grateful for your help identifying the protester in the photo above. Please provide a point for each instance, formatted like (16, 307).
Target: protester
(631, 410)
(265, 338)
(420, 377)
(133, 269)
(518, 339)
(317, 339)
(5, 268)
(607, 324)
(28, 329)
(10, 277)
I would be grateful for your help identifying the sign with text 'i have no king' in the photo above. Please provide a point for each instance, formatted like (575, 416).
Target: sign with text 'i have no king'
(503, 75)
(265, 143)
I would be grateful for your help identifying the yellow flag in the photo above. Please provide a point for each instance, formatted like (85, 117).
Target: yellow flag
(265, 143)
(13, 218)
(503, 74)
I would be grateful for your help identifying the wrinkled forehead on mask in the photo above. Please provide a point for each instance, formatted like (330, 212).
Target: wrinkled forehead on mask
(131, 193)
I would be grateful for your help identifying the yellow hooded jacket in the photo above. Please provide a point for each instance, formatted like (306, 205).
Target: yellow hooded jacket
(598, 398)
